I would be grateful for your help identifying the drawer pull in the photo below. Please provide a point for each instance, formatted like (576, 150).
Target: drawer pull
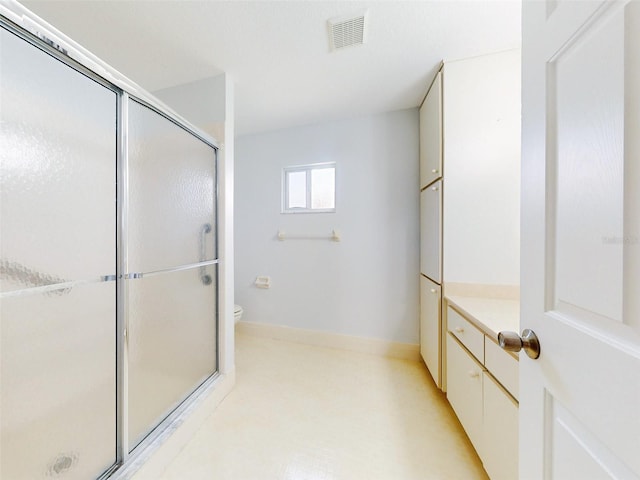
(474, 373)
(459, 329)
(433, 290)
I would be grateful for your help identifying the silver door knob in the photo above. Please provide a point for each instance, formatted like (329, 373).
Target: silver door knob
(512, 342)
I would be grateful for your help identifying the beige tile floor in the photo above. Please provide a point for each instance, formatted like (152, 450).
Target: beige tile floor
(300, 412)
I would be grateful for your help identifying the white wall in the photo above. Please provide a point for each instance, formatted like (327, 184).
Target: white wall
(367, 284)
(201, 101)
(481, 203)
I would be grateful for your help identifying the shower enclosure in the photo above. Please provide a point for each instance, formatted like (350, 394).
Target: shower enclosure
(108, 264)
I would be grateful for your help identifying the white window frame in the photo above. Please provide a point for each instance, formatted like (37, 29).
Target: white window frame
(307, 169)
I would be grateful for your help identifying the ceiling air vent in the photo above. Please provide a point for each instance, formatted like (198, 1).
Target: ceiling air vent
(346, 31)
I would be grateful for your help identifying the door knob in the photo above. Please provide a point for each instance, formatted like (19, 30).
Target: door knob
(512, 342)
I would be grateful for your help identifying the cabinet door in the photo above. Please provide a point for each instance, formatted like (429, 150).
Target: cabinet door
(500, 432)
(431, 134)
(430, 231)
(430, 327)
(502, 366)
(464, 390)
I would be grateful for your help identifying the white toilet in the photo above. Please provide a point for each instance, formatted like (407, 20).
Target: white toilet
(237, 313)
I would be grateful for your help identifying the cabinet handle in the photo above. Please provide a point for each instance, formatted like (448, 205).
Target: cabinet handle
(435, 170)
(459, 329)
(433, 290)
(474, 373)
(434, 188)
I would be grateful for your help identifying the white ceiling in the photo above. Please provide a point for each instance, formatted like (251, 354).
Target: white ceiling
(277, 52)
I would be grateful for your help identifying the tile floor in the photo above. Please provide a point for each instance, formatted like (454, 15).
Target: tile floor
(300, 412)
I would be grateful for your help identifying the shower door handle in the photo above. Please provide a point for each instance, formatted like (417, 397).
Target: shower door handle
(204, 277)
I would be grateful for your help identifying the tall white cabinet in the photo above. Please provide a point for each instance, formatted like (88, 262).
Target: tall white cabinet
(431, 185)
(469, 247)
(431, 134)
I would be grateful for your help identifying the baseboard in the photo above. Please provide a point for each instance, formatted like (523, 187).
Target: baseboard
(156, 457)
(372, 346)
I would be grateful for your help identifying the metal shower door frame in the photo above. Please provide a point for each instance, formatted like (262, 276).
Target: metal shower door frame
(124, 452)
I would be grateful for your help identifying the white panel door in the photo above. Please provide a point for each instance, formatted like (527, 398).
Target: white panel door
(431, 231)
(431, 134)
(580, 401)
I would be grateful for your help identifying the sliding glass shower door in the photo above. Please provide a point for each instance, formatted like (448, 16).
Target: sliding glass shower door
(171, 265)
(57, 268)
(108, 265)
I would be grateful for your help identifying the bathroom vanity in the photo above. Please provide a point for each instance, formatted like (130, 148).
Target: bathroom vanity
(482, 379)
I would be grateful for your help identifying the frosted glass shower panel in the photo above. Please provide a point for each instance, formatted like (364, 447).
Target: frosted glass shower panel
(58, 383)
(57, 264)
(172, 185)
(171, 247)
(172, 343)
(57, 170)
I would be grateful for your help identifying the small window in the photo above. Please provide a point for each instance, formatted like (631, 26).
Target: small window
(309, 188)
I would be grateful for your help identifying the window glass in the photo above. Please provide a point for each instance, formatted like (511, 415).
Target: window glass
(323, 188)
(297, 195)
(309, 188)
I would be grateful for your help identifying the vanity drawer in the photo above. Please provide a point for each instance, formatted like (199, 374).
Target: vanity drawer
(502, 366)
(471, 337)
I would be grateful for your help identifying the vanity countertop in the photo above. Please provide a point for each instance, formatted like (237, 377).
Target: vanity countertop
(491, 315)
